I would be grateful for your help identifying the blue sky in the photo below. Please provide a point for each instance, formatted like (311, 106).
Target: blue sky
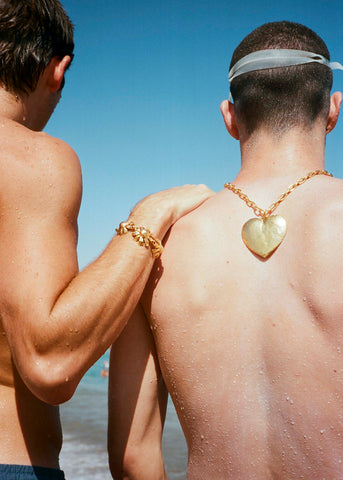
(141, 101)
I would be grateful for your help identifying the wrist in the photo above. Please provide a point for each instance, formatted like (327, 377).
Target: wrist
(157, 216)
(143, 236)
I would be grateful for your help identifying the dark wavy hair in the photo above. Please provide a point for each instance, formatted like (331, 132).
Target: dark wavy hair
(32, 32)
(281, 98)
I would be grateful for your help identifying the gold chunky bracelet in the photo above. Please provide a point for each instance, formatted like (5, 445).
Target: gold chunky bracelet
(143, 237)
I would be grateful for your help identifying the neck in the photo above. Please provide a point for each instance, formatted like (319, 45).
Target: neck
(33, 110)
(12, 107)
(292, 155)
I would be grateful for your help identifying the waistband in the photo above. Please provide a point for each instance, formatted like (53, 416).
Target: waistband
(28, 472)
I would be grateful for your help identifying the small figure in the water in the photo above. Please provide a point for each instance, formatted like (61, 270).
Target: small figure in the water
(104, 371)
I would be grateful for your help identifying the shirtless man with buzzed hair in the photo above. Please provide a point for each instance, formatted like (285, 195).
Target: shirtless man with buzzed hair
(54, 322)
(242, 319)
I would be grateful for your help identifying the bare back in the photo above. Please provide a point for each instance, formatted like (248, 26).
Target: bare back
(251, 350)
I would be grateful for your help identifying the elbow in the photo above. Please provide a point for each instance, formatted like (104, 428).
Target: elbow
(116, 464)
(125, 468)
(56, 393)
(49, 382)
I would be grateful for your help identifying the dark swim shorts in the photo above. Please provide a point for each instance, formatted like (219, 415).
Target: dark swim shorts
(26, 472)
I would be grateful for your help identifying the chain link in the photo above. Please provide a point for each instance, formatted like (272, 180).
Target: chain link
(259, 212)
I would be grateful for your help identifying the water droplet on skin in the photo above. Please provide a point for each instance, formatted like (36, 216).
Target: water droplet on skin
(67, 380)
(322, 431)
(202, 437)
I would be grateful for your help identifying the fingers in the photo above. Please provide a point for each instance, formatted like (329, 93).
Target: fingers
(191, 197)
(161, 210)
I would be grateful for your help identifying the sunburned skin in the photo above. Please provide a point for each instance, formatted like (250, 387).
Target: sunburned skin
(250, 349)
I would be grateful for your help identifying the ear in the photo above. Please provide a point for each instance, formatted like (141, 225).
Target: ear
(228, 111)
(56, 70)
(335, 105)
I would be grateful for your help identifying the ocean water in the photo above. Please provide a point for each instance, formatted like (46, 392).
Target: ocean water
(84, 423)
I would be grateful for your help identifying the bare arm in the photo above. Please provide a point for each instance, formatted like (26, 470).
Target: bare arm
(137, 404)
(59, 322)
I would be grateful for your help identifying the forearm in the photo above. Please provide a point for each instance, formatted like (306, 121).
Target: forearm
(68, 323)
(137, 404)
(86, 318)
(92, 311)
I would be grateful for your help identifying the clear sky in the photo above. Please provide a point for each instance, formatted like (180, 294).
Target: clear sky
(141, 101)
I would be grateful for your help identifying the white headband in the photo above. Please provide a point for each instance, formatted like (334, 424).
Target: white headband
(273, 58)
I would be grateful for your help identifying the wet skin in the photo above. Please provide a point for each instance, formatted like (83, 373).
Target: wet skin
(249, 349)
(31, 430)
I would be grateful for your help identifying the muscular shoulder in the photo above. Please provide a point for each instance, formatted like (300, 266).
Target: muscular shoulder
(60, 165)
(38, 170)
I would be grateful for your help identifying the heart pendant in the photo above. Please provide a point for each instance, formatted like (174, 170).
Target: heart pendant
(264, 236)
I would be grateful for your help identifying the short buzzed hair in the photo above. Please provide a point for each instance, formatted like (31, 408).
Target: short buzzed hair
(281, 98)
(32, 32)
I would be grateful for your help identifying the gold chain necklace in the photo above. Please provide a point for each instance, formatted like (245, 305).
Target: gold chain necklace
(263, 235)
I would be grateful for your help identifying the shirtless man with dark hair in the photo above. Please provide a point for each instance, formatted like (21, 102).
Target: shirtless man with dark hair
(54, 322)
(241, 321)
